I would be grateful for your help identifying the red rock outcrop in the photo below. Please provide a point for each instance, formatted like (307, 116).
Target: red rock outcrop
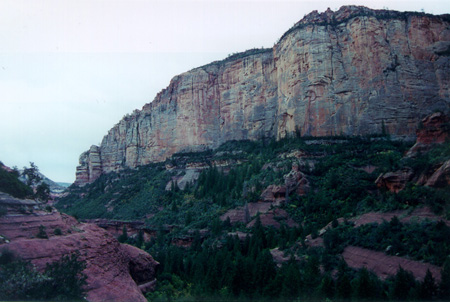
(355, 71)
(385, 266)
(246, 213)
(275, 217)
(274, 194)
(381, 264)
(441, 177)
(116, 272)
(294, 181)
(269, 216)
(434, 129)
(394, 181)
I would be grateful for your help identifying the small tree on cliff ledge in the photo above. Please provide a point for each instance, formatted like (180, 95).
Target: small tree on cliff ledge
(124, 237)
(43, 192)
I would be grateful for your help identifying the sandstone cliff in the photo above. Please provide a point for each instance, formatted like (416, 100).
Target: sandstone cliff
(116, 272)
(355, 71)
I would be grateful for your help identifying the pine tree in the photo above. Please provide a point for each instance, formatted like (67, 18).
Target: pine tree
(312, 275)
(343, 285)
(427, 287)
(327, 286)
(246, 213)
(403, 284)
(124, 237)
(265, 269)
(444, 286)
(140, 239)
(290, 286)
(364, 285)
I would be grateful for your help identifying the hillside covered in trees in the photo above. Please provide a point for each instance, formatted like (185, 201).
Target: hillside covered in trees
(274, 219)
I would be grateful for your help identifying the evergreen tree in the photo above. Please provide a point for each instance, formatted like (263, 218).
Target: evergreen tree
(291, 281)
(444, 286)
(31, 174)
(428, 287)
(327, 286)
(246, 214)
(343, 285)
(403, 285)
(43, 192)
(265, 269)
(42, 233)
(140, 239)
(311, 275)
(365, 285)
(124, 237)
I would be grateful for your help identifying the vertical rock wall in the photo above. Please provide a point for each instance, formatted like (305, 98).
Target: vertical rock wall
(346, 72)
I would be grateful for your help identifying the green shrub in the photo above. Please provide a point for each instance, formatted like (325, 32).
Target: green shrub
(61, 280)
(42, 233)
(10, 183)
(3, 210)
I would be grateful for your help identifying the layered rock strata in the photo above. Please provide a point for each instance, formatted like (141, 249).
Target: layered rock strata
(116, 272)
(355, 71)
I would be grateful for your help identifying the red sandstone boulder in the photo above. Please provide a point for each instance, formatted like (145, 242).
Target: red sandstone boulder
(440, 177)
(434, 129)
(294, 181)
(114, 270)
(394, 181)
(275, 217)
(245, 214)
(274, 194)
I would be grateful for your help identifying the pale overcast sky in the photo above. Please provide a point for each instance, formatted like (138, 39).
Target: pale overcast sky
(70, 69)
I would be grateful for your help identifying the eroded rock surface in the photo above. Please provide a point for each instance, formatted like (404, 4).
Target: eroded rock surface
(395, 181)
(385, 266)
(355, 71)
(114, 270)
(434, 129)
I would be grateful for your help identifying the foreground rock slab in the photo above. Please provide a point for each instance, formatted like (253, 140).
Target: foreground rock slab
(116, 272)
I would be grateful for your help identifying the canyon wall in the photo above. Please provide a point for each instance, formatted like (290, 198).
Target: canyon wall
(355, 71)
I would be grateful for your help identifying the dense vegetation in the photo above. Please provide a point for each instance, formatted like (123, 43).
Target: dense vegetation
(226, 267)
(61, 280)
(426, 241)
(10, 183)
(334, 166)
(342, 173)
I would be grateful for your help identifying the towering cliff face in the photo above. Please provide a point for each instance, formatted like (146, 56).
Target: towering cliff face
(350, 72)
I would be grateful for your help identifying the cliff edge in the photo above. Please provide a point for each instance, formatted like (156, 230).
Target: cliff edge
(355, 71)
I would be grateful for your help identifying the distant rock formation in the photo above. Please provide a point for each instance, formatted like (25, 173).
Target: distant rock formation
(116, 272)
(355, 71)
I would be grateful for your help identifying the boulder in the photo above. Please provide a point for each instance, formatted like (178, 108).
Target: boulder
(441, 177)
(433, 129)
(394, 181)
